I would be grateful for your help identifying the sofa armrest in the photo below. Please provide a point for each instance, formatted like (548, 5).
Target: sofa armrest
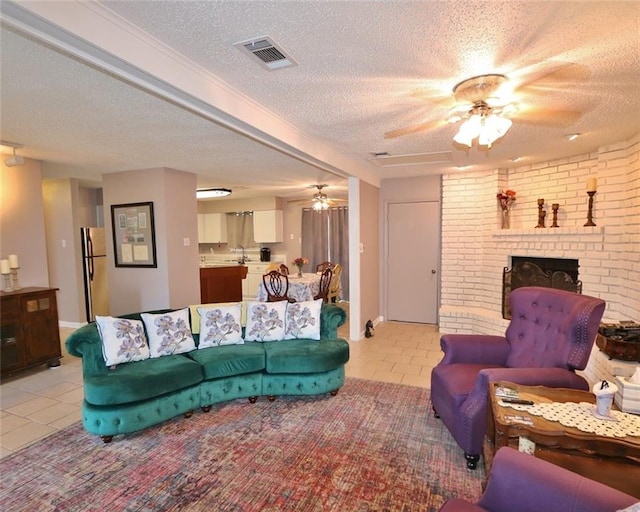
(85, 343)
(331, 317)
(475, 349)
(521, 482)
(550, 377)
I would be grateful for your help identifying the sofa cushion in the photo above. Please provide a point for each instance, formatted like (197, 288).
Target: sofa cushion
(123, 340)
(229, 360)
(303, 320)
(305, 356)
(132, 382)
(265, 321)
(169, 333)
(220, 325)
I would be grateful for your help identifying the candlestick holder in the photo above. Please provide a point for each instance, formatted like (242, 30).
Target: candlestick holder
(7, 283)
(554, 208)
(590, 222)
(15, 285)
(541, 214)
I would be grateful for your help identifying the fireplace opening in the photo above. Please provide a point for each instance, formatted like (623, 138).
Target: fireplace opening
(559, 273)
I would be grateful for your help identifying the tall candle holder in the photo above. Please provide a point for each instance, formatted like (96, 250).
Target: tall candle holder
(6, 287)
(541, 214)
(555, 207)
(15, 285)
(590, 222)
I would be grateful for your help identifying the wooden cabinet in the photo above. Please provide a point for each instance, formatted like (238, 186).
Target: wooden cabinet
(212, 228)
(221, 284)
(267, 226)
(29, 332)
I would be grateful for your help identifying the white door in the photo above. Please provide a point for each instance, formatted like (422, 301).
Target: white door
(413, 234)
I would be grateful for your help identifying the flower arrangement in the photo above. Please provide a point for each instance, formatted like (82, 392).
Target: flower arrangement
(506, 199)
(300, 261)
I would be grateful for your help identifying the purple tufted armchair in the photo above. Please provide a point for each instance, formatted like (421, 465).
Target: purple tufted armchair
(551, 335)
(522, 483)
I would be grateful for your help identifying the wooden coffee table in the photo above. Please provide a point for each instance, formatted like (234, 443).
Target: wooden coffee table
(614, 461)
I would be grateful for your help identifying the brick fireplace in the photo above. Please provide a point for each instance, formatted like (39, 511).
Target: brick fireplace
(475, 250)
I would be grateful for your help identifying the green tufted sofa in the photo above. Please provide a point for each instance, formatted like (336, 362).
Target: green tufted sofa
(140, 394)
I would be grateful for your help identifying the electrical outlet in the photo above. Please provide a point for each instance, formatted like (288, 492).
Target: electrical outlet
(64, 243)
(186, 241)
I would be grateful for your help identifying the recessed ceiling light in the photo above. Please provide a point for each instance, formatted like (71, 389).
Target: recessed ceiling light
(572, 136)
(516, 158)
(209, 193)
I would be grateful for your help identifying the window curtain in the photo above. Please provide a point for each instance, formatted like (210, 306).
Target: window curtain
(325, 237)
(339, 244)
(240, 230)
(315, 237)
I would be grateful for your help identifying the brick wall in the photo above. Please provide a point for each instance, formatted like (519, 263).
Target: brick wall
(475, 249)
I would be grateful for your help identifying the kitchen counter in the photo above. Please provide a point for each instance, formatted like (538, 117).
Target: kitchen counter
(221, 282)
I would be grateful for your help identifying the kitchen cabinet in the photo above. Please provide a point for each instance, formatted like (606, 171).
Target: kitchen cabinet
(267, 226)
(255, 271)
(212, 228)
(29, 332)
(222, 284)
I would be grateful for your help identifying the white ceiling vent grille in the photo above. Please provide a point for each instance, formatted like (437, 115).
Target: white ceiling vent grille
(268, 53)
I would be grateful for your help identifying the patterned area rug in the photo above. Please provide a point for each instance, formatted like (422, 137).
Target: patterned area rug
(373, 447)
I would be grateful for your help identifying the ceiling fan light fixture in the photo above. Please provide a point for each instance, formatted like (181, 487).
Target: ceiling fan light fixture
(210, 193)
(486, 128)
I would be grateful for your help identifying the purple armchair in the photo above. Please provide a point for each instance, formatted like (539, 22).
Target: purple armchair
(521, 482)
(551, 335)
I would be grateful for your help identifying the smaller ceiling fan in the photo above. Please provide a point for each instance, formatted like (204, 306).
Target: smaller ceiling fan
(321, 201)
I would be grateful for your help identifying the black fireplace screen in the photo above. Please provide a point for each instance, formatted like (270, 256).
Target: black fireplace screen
(556, 273)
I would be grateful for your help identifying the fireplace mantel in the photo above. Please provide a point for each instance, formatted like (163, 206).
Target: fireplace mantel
(549, 232)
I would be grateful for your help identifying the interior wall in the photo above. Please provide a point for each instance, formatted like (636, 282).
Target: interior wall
(370, 269)
(22, 228)
(63, 247)
(139, 289)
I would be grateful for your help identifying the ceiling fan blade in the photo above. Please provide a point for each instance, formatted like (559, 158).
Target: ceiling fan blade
(548, 117)
(422, 127)
(560, 78)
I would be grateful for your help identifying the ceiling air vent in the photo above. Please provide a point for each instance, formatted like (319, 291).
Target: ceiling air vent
(268, 53)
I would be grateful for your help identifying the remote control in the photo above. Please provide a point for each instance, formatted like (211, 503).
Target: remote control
(517, 401)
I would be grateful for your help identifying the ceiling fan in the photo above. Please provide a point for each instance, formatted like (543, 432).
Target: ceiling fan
(321, 201)
(486, 104)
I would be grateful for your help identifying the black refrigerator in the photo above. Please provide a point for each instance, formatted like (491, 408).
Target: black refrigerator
(94, 269)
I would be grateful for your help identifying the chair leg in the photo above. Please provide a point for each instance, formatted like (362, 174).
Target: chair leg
(435, 413)
(472, 460)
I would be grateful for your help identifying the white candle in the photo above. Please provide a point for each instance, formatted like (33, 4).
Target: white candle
(4, 267)
(13, 261)
(592, 184)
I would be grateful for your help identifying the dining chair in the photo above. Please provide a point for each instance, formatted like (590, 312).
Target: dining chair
(325, 283)
(284, 269)
(321, 266)
(334, 288)
(276, 285)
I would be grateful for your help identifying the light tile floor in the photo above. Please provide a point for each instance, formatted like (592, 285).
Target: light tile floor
(40, 401)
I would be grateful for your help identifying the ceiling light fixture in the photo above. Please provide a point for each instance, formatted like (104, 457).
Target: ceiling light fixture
(572, 136)
(483, 125)
(210, 193)
(14, 160)
(320, 202)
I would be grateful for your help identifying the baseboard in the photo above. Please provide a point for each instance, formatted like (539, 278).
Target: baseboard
(71, 325)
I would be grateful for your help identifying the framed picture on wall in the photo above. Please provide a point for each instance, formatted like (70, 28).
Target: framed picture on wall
(134, 238)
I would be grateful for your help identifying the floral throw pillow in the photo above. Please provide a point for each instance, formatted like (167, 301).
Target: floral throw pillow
(169, 333)
(265, 321)
(303, 320)
(123, 340)
(220, 325)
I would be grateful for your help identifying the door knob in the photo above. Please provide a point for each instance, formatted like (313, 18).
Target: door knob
(433, 270)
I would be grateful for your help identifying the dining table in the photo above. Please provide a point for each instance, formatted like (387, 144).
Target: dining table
(300, 288)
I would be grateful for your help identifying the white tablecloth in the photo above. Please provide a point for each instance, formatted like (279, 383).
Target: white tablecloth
(300, 288)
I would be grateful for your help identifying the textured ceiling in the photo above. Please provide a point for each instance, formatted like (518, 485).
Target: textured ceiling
(364, 68)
